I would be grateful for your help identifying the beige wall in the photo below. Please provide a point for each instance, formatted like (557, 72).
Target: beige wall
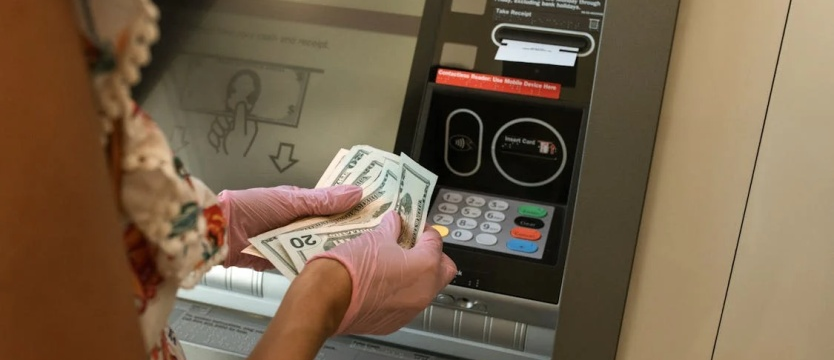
(723, 61)
(780, 301)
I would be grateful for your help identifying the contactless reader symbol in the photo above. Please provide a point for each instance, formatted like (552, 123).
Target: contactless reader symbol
(464, 142)
(461, 143)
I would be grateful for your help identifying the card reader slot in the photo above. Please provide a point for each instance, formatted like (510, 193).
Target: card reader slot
(536, 34)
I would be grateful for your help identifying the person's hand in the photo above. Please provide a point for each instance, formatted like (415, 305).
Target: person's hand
(252, 212)
(390, 285)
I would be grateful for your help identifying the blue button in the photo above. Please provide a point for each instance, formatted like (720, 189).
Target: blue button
(522, 246)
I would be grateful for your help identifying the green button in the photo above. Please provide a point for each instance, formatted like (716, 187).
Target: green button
(532, 211)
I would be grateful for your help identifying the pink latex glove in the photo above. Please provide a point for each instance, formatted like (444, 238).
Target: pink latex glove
(252, 212)
(390, 285)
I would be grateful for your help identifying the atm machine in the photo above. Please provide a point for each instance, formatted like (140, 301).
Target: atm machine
(542, 166)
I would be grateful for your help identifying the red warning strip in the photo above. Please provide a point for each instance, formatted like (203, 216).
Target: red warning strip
(498, 83)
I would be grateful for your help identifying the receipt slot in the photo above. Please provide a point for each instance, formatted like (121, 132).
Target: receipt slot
(538, 118)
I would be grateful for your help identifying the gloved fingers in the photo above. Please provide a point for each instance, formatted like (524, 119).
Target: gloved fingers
(256, 263)
(450, 270)
(390, 226)
(429, 242)
(325, 201)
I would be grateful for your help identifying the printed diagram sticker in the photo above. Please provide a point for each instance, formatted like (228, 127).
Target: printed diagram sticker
(241, 95)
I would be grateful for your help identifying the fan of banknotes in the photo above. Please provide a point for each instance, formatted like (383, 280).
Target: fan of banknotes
(389, 182)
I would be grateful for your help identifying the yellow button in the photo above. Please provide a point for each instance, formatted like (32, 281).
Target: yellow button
(441, 229)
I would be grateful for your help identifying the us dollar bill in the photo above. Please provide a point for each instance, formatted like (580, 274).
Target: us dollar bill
(345, 168)
(251, 250)
(371, 168)
(376, 200)
(415, 189)
(303, 245)
(388, 181)
(340, 155)
(363, 165)
(270, 249)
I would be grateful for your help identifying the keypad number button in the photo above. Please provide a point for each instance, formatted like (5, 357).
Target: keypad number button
(486, 239)
(472, 212)
(475, 201)
(499, 205)
(494, 216)
(448, 208)
(466, 223)
(443, 219)
(452, 197)
(490, 227)
(462, 235)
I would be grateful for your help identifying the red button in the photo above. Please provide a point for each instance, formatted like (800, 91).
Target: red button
(526, 234)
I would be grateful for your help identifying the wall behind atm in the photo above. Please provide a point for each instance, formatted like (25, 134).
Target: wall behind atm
(735, 258)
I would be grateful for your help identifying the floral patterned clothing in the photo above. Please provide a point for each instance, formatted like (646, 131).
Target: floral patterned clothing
(173, 228)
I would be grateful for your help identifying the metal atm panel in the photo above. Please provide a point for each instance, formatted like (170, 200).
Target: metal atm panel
(565, 297)
(603, 113)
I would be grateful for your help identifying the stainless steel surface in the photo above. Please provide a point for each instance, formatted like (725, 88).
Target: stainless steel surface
(449, 326)
(634, 51)
(505, 307)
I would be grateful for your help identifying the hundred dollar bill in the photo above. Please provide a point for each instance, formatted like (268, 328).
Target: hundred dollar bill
(415, 189)
(302, 245)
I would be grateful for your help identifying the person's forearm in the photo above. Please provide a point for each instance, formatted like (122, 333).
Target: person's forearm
(310, 312)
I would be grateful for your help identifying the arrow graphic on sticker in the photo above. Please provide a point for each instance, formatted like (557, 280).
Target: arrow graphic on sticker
(283, 159)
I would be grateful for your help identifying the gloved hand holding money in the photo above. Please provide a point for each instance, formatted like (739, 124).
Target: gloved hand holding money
(389, 183)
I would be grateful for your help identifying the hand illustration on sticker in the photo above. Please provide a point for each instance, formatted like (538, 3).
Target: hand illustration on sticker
(236, 129)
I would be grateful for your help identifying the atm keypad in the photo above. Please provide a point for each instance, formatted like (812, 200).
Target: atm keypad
(475, 201)
(462, 235)
(466, 223)
(471, 212)
(452, 197)
(499, 205)
(495, 216)
(522, 246)
(490, 227)
(443, 219)
(527, 222)
(525, 234)
(486, 239)
(448, 208)
(496, 224)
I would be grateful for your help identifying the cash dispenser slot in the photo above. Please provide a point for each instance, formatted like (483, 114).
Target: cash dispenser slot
(542, 35)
